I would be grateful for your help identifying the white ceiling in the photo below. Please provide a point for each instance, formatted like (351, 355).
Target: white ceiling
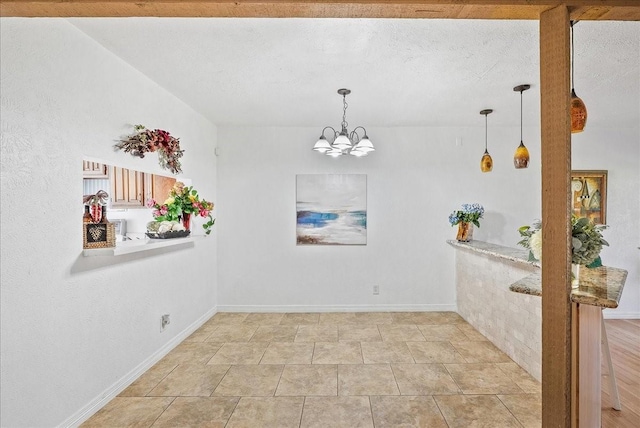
(285, 72)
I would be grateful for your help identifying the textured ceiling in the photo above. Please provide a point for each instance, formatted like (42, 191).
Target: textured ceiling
(285, 72)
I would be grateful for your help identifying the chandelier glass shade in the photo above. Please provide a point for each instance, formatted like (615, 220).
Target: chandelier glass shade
(521, 156)
(333, 143)
(486, 163)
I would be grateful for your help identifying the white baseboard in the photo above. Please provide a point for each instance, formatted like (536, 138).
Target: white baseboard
(108, 394)
(613, 314)
(337, 308)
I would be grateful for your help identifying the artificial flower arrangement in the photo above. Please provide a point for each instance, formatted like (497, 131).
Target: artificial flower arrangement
(586, 240)
(183, 200)
(147, 140)
(470, 213)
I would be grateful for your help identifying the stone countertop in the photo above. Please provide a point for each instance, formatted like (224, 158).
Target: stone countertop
(601, 286)
(598, 287)
(519, 255)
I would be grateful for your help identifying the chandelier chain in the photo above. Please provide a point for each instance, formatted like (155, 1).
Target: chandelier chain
(344, 112)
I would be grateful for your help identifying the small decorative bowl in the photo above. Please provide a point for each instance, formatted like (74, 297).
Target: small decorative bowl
(169, 235)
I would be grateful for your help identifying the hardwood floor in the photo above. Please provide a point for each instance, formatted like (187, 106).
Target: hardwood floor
(624, 343)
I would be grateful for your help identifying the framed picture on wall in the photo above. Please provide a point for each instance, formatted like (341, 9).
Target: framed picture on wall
(589, 195)
(331, 209)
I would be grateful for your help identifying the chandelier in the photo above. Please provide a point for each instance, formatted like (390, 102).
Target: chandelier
(343, 142)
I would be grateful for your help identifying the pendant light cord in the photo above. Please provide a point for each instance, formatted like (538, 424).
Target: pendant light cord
(572, 58)
(485, 132)
(521, 116)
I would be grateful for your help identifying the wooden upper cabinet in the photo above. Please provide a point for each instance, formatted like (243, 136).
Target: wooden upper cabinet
(132, 189)
(94, 170)
(127, 188)
(158, 187)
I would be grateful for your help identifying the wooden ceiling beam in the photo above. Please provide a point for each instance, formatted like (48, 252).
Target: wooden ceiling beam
(627, 10)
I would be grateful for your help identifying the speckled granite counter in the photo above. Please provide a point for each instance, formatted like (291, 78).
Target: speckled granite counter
(519, 255)
(598, 287)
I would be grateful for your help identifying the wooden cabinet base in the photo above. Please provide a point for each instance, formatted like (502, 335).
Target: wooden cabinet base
(588, 331)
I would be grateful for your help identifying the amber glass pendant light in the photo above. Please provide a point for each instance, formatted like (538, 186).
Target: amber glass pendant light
(486, 163)
(521, 156)
(578, 109)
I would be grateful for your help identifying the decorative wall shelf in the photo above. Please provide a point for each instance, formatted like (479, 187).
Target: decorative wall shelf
(136, 246)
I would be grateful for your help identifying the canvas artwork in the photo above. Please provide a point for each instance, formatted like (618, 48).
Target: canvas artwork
(331, 209)
(589, 195)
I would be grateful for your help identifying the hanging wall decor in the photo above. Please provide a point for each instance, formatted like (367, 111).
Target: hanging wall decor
(331, 209)
(146, 140)
(589, 195)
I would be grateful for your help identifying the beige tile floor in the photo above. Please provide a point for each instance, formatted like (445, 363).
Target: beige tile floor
(409, 369)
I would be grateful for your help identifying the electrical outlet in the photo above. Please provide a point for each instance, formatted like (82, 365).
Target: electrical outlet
(376, 290)
(165, 320)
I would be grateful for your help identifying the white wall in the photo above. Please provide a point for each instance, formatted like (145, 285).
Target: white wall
(73, 327)
(415, 179)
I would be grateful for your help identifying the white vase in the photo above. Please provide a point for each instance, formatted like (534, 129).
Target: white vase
(575, 275)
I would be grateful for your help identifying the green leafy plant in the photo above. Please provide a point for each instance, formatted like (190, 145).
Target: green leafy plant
(586, 240)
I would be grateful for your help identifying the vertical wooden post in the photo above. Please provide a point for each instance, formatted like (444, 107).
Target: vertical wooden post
(556, 230)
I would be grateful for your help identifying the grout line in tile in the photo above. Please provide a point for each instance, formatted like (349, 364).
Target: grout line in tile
(279, 379)
(161, 413)
(214, 354)
(373, 422)
(454, 380)
(410, 353)
(264, 352)
(421, 333)
(304, 403)
(395, 380)
(509, 410)
(233, 411)
(218, 384)
(433, 397)
(153, 387)
(254, 333)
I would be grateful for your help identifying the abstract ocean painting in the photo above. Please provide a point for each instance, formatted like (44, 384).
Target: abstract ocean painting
(331, 209)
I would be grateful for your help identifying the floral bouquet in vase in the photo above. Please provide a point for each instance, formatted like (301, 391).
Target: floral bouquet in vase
(466, 218)
(586, 242)
(183, 201)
